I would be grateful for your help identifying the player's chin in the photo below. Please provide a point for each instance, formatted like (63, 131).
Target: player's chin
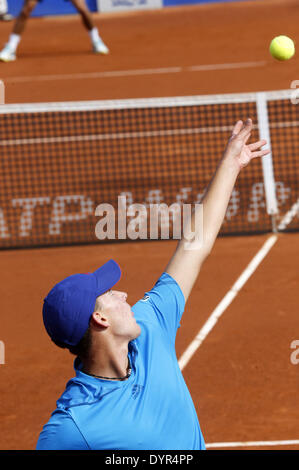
(137, 331)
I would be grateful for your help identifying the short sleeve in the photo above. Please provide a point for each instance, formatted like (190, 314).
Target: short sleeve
(61, 433)
(164, 303)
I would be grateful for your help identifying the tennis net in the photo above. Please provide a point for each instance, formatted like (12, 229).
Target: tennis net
(59, 161)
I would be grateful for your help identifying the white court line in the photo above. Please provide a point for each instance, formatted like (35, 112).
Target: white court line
(136, 72)
(283, 125)
(235, 65)
(215, 445)
(289, 216)
(226, 301)
(2, 92)
(119, 135)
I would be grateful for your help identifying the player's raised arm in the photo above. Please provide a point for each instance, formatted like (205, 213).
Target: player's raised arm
(185, 264)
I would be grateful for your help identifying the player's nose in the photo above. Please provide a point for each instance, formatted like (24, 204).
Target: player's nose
(122, 295)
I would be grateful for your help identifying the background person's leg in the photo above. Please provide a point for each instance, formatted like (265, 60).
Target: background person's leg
(21, 20)
(8, 54)
(97, 43)
(82, 8)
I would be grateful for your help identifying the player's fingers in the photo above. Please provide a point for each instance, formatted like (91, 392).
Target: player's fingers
(260, 153)
(237, 127)
(245, 139)
(245, 132)
(257, 145)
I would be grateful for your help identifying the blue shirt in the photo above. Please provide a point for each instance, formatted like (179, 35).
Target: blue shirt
(151, 410)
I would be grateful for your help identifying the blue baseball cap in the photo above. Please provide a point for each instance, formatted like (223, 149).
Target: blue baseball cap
(69, 305)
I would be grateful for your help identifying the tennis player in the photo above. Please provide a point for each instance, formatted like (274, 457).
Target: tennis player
(8, 53)
(129, 392)
(4, 16)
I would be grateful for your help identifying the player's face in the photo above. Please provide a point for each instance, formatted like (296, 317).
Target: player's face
(114, 304)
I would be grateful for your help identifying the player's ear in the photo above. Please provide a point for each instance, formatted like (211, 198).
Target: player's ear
(99, 320)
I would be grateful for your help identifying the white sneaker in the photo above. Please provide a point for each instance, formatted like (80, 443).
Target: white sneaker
(6, 17)
(100, 48)
(7, 54)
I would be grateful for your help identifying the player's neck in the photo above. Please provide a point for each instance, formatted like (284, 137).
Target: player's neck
(109, 362)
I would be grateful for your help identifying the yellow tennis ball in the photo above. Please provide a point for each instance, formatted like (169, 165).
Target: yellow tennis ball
(282, 48)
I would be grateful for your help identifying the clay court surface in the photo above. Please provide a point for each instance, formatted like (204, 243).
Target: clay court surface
(242, 381)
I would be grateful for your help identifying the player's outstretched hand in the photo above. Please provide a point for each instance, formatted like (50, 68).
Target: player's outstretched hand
(237, 148)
